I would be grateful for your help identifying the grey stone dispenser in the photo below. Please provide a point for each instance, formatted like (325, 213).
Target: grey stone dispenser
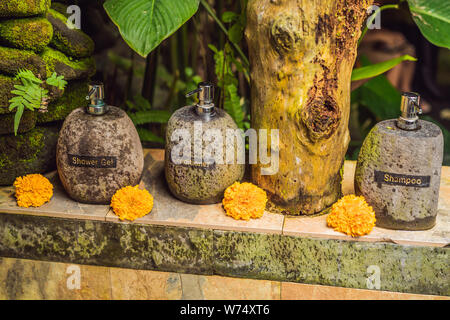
(98, 150)
(399, 169)
(196, 166)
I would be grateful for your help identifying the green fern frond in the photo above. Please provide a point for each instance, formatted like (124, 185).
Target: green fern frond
(25, 74)
(151, 116)
(147, 135)
(57, 81)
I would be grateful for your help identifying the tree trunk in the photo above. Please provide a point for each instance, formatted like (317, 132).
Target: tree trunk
(302, 54)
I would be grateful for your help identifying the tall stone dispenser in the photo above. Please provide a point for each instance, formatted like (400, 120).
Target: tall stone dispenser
(98, 150)
(399, 169)
(197, 149)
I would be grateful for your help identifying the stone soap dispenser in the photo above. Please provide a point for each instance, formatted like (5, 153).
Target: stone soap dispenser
(196, 172)
(98, 150)
(399, 169)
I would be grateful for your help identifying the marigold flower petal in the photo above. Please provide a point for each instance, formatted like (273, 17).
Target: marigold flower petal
(131, 203)
(352, 216)
(33, 190)
(244, 201)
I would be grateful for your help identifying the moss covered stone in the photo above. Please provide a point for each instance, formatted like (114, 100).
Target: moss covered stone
(6, 85)
(31, 152)
(74, 97)
(72, 42)
(29, 34)
(71, 69)
(23, 8)
(27, 122)
(11, 60)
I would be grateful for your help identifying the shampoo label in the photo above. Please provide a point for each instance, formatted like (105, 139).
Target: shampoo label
(402, 179)
(92, 162)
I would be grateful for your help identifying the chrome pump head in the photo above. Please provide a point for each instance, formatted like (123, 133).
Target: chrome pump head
(205, 105)
(95, 96)
(410, 108)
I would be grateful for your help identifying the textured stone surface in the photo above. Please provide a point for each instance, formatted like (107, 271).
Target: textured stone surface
(29, 34)
(203, 183)
(27, 122)
(395, 151)
(11, 60)
(6, 85)
(332, 262)
(23, 8)
(107, 244)
(31, 152)
(74, 97)
(110, 135)
(72, 42)
(71, 69)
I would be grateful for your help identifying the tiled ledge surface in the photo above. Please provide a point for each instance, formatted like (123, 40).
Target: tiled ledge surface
(180, 237)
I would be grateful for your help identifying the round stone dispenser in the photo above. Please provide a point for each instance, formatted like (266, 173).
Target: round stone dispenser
(399, 169)
(98, 151)
(203, 182)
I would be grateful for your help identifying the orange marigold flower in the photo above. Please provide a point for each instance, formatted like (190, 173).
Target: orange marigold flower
(131, 203)
(33, 190)
(244, 201)
(352, 216)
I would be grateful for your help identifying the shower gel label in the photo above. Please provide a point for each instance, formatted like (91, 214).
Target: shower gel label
(402, 179)
(92, 162)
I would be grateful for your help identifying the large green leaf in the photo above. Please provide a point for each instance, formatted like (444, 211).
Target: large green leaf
(380, 97)
(433, 19)
(143, 24)
(378, 68)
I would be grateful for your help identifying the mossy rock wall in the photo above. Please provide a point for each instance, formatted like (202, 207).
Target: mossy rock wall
(29, 34)
(71, 69)
(11, 60)
(72, 42)
(31, 152)
(6, 85)
(74, 97)
(27, 122)
(23, 8)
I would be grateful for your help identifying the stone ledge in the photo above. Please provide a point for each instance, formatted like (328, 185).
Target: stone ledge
(184, 238)
(409, 269)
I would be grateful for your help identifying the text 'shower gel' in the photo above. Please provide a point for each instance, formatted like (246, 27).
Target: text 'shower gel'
(399, 169)
(196, 166)
(98, 151)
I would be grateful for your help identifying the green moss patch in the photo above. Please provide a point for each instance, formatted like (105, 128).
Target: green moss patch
(29, 34)
(11, 60)
(27, 122)
(71, 69)
(74, 97)
(72, 42)
(23, 8)
(6, 85)
(31, 152)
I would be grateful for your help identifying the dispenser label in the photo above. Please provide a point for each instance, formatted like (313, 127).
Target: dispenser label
(402, 179)
(92, 162)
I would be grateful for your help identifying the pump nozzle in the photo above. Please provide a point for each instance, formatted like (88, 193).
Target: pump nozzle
(410, 108)
(205, 105)
(95, 96)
